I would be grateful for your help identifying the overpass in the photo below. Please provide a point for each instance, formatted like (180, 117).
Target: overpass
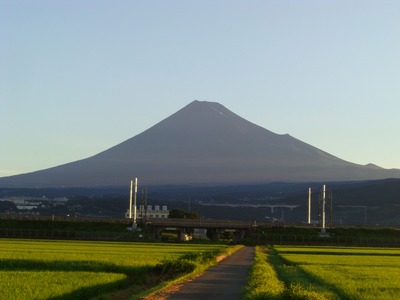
(214, 227)
(235, 205)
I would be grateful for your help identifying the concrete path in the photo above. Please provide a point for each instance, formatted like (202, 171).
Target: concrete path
(224, 281)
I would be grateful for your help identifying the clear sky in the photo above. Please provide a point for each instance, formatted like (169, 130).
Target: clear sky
(77, 77)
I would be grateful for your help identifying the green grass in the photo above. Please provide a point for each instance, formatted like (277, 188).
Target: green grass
(43, 269)
(348, 273)
(299, 284)
(56, 284)
(293, 272)
(263, 282)
(269, 278)
(118, 253)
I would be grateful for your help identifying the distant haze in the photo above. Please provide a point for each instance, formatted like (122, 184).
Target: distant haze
(203, 143)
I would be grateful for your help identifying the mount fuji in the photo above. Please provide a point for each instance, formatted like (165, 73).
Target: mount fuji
(204, 143)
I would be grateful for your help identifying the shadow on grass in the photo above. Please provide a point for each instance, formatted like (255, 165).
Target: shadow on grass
(93, 291)
(291, 273)
(138, 278)
(70, 266)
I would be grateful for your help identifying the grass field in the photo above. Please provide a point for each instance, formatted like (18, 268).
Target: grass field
(326, 273)
(42, 269)
(263, 281)
(351, 273)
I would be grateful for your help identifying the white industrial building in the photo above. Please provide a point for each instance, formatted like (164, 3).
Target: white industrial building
(159, 212)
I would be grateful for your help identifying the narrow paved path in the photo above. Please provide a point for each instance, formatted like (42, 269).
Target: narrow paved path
(225, 280)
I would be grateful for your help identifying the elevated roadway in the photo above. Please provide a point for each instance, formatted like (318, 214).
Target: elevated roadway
(214, 227)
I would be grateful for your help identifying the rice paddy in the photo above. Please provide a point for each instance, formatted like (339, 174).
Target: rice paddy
(352, 273)
(43, 269)
(327, 273)
(48, 269)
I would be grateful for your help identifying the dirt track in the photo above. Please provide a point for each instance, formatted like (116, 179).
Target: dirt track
(223, 281)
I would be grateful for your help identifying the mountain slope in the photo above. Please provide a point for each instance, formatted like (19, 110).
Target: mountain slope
(203, 143)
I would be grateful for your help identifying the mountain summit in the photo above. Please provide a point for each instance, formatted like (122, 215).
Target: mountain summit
(203, 143)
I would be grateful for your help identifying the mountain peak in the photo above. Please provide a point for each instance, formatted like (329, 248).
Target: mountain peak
(202, 143)
(203, 102)
(203, 106)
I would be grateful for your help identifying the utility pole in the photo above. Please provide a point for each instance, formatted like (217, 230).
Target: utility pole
(309, 206)
(323, 231)
(331, 214)
(134, 185)
(130, 200)
(134, 203)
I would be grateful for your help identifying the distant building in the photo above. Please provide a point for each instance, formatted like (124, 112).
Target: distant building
(26, 204)
(26, 207)
(159, 212)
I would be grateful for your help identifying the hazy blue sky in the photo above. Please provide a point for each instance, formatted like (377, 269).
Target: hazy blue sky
(77, 77)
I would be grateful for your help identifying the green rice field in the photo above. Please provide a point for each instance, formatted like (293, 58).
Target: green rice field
(48, 269)
(326, 273)
(352, 273)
